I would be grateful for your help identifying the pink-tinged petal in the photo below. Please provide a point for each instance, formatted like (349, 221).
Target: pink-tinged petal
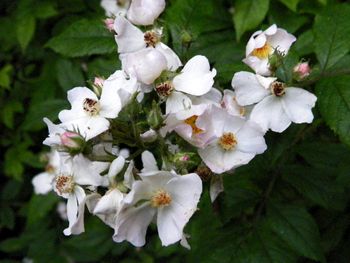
(173, 60)
(196, 77)
(128, 37)
(144, 12)
(132, 224)
(110, 102)
(43, 183)
(269, 114)
(250, 138)
(297, 103)
(147, 64)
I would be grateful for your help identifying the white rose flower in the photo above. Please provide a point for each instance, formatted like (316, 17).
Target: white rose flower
(144, 12)
(277, 105)
(89, 115)
(235, 141)
(262, 44)
(170, 198)
(131, 39)
(71, 176)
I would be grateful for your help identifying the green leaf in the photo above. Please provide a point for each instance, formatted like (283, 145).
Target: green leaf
(25, 29)
(69, 74)
(295, 226)
(7, 217)
(83, 38)
(46, 204)
(291, 4)
(304, 44)
(5, 76)
(334, 104)
(332, 35)
(316, 185)
(8, 112)
(49, 109)
(248, 14)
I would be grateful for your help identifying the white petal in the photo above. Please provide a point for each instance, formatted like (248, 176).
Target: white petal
(196, 77)
(72, 210)
(116, 166)
(248, 88)
(129, 176)
(43, 183)
(78, 227)
(281, 40)
(110, 102)
(128, 37)
(260, 66)
(176, 102)
(251, 43)
(132, 224)
(109, 203)
(173, 60)
(147, 64)
(298, 103)
(144, 12)
(271, 30)
(93, 126)
(269, 114)
(250, 138)
(149, 162)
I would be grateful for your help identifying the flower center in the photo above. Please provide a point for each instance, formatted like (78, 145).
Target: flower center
(192, 122)
(278, 88)
(161, 198)
(262, 52)
(151, 38)
(164, 89)
(50, 169)
(92, 107)
(64, 184)
(227, 141)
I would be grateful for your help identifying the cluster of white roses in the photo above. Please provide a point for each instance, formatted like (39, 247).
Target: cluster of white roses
(89, 166)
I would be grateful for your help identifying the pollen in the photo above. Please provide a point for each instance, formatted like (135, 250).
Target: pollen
(151, 38)
(91, 106)
(192, 122)
(164, 89)
(64, 184)
(278, 88)
(227, 141)
(50, 169)
(161, 198)
(262, 52)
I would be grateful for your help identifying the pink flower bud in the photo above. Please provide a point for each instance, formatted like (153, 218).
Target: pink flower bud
(109, 23)
(184, 158)
(98, 81)
(71, 140)
(302, 69)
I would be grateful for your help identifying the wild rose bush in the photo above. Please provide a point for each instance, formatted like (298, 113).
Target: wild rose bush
(211, 131)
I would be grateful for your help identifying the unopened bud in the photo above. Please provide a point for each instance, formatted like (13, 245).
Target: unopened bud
(155, 118)
(149, 136)
(302, 70)
(109, 23)
(72, 142)
(186, 38)
(98, 85)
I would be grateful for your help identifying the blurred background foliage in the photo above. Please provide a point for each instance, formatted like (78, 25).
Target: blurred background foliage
(290, 204)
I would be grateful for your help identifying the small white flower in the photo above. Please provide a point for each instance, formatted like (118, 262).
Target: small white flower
(235, 141)
(277, 105)
(144, 12)
(170, 198)
(262, 44)
(229, 103)
(71, 176)
(89, 114)
(131, 39)
(115, 7)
